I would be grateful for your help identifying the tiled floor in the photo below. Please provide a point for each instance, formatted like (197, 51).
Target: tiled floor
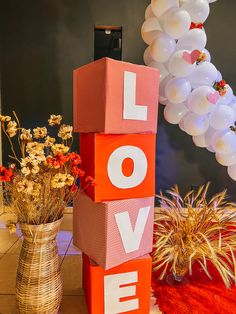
(73, 299)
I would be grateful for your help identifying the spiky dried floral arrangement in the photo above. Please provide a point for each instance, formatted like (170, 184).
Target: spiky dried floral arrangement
(42, 181)
(193, 229)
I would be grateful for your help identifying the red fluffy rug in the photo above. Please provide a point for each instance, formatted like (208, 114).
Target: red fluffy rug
(200, 296)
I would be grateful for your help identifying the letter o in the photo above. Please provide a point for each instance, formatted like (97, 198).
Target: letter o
(114, 167)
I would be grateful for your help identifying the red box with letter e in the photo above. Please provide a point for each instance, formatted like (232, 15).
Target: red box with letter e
(122, 289)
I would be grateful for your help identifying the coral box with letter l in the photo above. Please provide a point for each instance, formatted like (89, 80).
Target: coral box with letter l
(115, 97)
(122, 289)
(123, 165)
(113, 232)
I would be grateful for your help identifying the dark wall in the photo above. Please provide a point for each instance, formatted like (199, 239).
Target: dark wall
(43, 41)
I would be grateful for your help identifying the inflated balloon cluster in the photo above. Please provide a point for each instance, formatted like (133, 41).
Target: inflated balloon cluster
(192, 89)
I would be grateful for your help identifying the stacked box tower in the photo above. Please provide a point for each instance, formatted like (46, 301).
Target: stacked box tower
(115, 112)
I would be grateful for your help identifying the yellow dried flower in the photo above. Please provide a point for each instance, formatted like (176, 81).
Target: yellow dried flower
(26, 135)
(59, 148)
(29, 166)
(11, 226)
(40, 132)
(36, 151)
(12, 128)
(65, 131)
(25, 186)
(55, 119)
(69, 180)
(38, 156)
(59, 181)
(34, 147)
(49, 141)
(4, 118)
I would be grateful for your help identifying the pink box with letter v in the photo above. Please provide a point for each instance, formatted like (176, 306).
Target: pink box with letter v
(112, 233)
(115, 97)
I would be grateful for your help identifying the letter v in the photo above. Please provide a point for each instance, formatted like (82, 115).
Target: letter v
(131, 238)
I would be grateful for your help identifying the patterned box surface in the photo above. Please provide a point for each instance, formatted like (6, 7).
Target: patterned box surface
(114, 232)
(123, 166)
(123, 289)
(115, 97)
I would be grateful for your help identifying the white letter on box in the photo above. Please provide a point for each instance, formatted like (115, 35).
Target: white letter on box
(113, 292)
(131, 110)
(131, 239)
(114, 167)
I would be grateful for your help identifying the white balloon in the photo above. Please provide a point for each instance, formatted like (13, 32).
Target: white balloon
(162, 47)
(234, 99)
(183, 1)
(196, 125)
(198, 10)
(210, 135)
(150, 29)
(181, 123)
(194, 39)
(176, 23)
(173, 113)
(225, 142)
(222, 117)
(210, 149)
(149, 12)
(232, 172)
(178, 66)
(164, 102)
(198, 101)
(226, 159)
(162, 94)
(177, 90)
(159, 7)
(219, 76)
(232, 105)
(161, 68)
(199, 140)
(147, 58)
(204, 74)
(228, 97)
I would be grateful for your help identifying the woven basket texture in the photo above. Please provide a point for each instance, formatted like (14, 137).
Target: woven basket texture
(38, 282)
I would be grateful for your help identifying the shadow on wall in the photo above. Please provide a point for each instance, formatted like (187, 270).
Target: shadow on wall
(29, 62)
(179, 161)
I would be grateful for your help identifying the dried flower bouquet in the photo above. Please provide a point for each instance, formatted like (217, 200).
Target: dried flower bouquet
(42, 181)
(193, 229)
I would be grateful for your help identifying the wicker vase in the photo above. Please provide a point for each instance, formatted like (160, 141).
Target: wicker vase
(38, 282)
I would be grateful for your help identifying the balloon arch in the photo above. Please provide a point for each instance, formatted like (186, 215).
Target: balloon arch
(192, 89)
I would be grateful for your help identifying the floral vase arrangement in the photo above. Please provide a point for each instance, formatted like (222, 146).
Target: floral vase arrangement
(191, 230)
(38, 185)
